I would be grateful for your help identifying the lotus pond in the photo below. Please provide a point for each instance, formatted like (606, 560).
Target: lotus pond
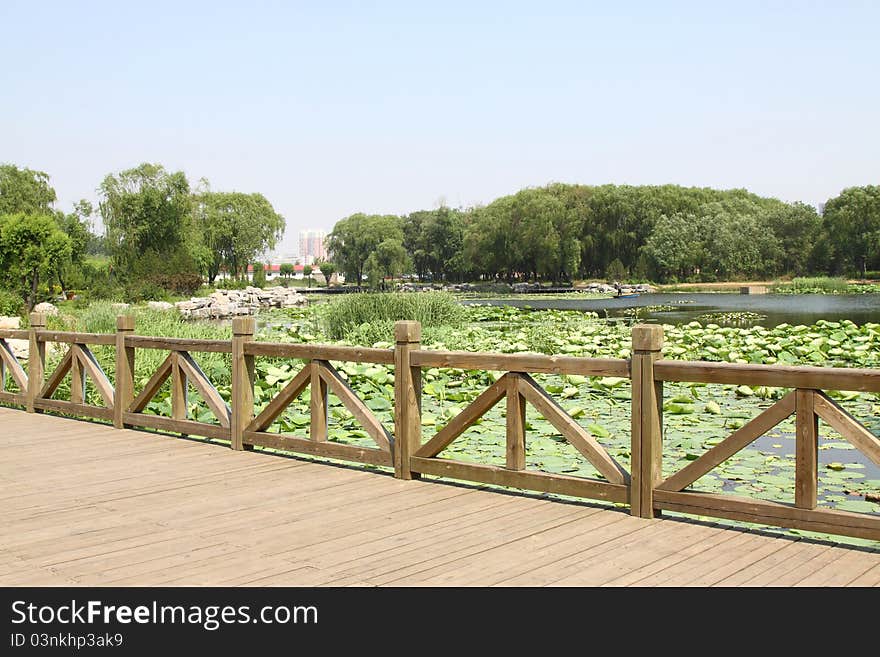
(696, 416)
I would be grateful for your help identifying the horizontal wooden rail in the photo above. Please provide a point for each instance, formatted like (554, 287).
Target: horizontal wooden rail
(76, 338)
(188, 427)
(14, 334)
(320, 352)
(71, 408)
(340, 451)
(531, 363)
(819, 378)
(178, 344)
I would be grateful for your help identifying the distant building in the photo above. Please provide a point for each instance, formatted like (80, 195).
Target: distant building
(311, 246)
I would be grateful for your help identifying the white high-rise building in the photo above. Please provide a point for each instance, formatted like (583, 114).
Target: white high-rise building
(311, 246)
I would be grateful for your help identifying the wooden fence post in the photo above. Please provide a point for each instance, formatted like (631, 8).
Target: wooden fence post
(647, 420)
(36, 360)
(124, 390)
(407, 398)
(242, 379)
(806, 451)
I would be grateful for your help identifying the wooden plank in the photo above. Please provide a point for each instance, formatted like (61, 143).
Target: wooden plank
(123, 393)
(71, 408)
(317, 404)
(860, 525)
(206, 389)
(736, 441)
(573, 432)
(636, 467)
(12, 366)
(516, 426)
(806, 452)
(321, 352)
(179, 389)
(152, 387)
(13, 398)
(92, 367)
(36, 359)
(354, 404)
(57, 376)
(243, 373)
(77, 376)
(281, 401)
(839, 419)
(69, 337)
(322, 448)
(467, 360)
(472, 412)
(179, 344)
(647, 342)
(186, 427)
(538, 481)
(14, 334)
(820, 378)
(407, 397)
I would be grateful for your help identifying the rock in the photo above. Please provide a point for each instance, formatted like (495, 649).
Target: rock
(46, 308)
(222, 304)
(120, 305)
(10, 322)
(159, 305)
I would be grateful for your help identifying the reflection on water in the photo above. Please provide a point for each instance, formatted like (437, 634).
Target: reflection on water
(778, 308)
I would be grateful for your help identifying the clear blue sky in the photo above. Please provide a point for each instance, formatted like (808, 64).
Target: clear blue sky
(336, 107)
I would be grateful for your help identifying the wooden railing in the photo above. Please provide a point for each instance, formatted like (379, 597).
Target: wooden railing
(644, 487)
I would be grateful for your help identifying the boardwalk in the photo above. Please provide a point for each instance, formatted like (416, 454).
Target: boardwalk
(84, 504)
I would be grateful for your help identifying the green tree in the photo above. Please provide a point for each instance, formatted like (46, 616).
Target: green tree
(286, 270)
(25, 191)
(327, 269)
(307, 273)
(258, 278)
(146, 210)
(31, 249)
(355, 238)
(77, 227)
(234, 230)
(851, 225)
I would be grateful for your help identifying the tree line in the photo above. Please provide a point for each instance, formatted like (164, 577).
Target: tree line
(664, 233)
(160, 235)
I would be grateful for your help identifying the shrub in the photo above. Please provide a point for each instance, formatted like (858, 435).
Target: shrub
(10, 303)
(347, 317)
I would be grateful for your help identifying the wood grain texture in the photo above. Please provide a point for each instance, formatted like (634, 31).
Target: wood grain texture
(860, 525)
(14, 334)
(320, 352)
(321, 448)
(407, 398)
(535, 363)
(281, 401)
(57, 375)
(839, 419)
(471, 413)
(525, 480)
(12, 366)
(317, 404)
(77, 375)
(806, 487)
(178, 344)
(243, 374)
(742, 437)
(72, 408)
(93, 369)
(353, 403)
(152, 386)
(199, 380)
(515, 420)
(574, 433)
(185, 427)
(123, 393)
(782, 376)
(70, 337)
(36, 360)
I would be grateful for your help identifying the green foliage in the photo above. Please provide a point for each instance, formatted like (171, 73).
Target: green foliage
(346, 317)
(259, 275)
(813, 285)
(327, 270)
(354, 239)
(146, 210)
(25, 191)
(234, 229)
(11, 305)
(286, 270)
(851, 231)
(32, 247)
(616, 271)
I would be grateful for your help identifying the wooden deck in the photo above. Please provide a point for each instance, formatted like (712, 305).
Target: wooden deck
(85, 504)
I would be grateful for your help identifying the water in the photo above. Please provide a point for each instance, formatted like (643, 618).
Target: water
(778, 308)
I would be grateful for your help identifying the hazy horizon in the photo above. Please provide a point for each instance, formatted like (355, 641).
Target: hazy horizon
(391, 108)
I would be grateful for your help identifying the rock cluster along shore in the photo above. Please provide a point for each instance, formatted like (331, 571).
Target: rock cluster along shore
(223, 304)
